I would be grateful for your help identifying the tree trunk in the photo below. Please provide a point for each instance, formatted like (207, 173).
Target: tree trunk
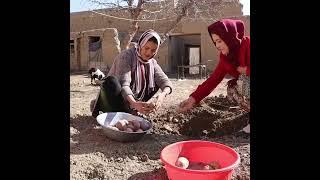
(125, 43)
(135, 13)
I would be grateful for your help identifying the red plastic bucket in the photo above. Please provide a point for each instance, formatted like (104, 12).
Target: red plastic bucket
(199, 151)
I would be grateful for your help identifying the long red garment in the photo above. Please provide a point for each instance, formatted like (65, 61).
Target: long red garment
(224, 66)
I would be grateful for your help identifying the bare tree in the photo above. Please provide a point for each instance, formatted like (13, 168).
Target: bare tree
(134, 13)
(153, 11)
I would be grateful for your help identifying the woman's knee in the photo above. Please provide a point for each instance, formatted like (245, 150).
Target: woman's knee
(111, 83)
(110, 80)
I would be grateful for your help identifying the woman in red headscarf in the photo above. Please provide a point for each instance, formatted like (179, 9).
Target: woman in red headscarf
(228, 37)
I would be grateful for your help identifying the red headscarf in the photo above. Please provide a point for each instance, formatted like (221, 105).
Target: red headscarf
(232, 33)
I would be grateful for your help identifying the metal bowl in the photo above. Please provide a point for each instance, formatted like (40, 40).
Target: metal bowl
(111, 118)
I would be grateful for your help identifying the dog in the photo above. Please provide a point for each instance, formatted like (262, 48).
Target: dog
(95, 73)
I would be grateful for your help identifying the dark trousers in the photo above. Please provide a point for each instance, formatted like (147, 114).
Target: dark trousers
(109, 98)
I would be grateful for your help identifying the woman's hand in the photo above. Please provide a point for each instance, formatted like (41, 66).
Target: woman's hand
(186, 104)
(160, 100)
(242, 70)
(142, 107)
(161, 97)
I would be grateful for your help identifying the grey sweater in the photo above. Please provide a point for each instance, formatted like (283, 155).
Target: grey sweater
(124, 65)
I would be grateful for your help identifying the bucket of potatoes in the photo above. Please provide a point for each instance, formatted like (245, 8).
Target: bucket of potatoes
(123, 127)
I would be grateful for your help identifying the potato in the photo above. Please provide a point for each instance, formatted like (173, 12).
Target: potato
(136, 124)
(129, 130)
(121, 125)
(139, 130)
(196, 166)
(144, 125)
(130, 126)
(214, 165)
(150, 105)
(130, 123)
(114, 128)
(207, 167)
(126, 122)
(182, 162)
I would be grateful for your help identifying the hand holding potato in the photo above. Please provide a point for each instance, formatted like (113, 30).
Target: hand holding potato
(143, 107)
(186, 104)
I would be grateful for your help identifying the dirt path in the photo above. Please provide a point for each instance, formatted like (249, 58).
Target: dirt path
(93, 156)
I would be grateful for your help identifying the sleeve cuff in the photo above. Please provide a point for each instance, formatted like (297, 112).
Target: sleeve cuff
(126, 91)
(167, 85)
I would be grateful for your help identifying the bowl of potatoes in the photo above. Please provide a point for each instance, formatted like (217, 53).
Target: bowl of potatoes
(123, 127)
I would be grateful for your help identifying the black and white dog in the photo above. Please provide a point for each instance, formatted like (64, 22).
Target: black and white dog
(95, 73)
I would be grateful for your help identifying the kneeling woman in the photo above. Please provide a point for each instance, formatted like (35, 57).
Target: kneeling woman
(134, 78)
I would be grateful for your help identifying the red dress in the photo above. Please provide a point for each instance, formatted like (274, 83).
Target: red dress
(223, 68)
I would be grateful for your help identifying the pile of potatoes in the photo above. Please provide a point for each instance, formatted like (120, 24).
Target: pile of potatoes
(184, 163)
(130, 126)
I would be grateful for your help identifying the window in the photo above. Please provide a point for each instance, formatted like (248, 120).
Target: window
(94, 43)
(95, 51)
(93, 39)
(71, 47)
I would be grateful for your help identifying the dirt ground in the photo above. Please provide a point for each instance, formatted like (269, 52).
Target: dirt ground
(94, 156)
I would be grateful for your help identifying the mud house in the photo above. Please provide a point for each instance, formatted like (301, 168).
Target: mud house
(95, 40)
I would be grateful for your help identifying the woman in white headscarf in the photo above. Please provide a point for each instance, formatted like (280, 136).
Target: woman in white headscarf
(134, 79)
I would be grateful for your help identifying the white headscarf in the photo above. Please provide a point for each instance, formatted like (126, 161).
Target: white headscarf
(139, 84)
